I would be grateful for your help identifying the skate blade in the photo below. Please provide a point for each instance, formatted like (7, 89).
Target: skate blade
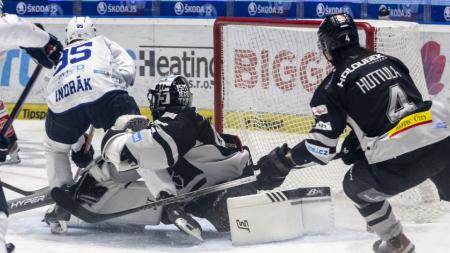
(193, 232)
(58, 227)
(10, 161)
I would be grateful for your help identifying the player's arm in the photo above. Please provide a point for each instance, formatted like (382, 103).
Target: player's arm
(319, 147)
(17, 32)
(124, 63)
(42, 46)
(159, 146)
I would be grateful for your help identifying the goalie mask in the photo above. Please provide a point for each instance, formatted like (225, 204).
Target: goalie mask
(171, 93)
(337, 31)
(80, 28)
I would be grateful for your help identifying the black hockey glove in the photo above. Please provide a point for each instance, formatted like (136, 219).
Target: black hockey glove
(4, 147)
(274, 168)
(81, 158)
(351, 151)
(48, 56)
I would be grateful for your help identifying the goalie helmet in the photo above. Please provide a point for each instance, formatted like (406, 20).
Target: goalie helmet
(171, 93)
(80, 28)
(337, 31)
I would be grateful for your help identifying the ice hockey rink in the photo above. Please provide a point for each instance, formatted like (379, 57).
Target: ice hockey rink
(29, 234)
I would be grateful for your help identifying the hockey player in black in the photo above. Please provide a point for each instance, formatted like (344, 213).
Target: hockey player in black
(397, 141)
(180, 152)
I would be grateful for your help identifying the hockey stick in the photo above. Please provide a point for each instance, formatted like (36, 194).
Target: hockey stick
(20, 191)
(23, 96)
(66, 201)
(36, 200)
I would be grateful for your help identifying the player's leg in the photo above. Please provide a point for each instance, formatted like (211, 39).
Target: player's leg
(62, 130)
(13, 152)
(4, 248)
(208, 165)
(442, 182)
(369, 186)
(442, 179)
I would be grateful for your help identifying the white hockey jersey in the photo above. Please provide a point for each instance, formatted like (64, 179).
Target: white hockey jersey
(15, 32)
(87, 70)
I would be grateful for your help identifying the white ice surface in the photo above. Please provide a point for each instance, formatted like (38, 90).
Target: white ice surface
(30, 235)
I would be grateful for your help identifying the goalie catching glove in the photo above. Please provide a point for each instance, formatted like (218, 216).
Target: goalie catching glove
(274, 168)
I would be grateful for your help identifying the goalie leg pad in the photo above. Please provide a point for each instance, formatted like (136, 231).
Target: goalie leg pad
(281, 215)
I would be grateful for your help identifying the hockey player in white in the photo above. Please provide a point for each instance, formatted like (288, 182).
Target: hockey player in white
(179, 152)
(88, 87)
(45, 49)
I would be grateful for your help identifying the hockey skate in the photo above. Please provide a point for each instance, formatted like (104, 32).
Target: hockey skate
(175, 214)
(57, 219)
(13, 155)
(10, 247)
(398, 244)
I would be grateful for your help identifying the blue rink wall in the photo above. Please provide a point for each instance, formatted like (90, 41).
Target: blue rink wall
(422, 11)
(177, 36)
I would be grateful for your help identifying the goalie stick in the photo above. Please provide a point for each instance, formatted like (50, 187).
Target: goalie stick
(66, 201)
(38, 199)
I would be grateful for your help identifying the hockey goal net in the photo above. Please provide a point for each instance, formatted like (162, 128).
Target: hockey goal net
(265, 74)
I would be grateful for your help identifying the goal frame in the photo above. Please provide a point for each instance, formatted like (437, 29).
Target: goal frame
(220, 22)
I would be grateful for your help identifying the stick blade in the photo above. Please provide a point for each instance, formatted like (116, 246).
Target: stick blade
(65, 200)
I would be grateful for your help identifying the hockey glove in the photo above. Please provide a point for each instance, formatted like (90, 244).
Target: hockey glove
(351, 149)
(48, 56)
(4, 147)
(81, 158)
(274, 168)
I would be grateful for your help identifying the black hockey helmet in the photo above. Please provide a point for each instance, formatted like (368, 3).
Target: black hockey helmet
(171, 93)
(337, 31)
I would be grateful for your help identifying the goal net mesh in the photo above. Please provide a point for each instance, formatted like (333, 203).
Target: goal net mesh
(266, 73)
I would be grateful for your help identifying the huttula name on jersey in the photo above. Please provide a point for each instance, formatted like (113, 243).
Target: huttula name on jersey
(377, 77)
(72, 87)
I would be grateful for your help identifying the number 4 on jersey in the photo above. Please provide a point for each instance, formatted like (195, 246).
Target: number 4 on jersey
(399, 105)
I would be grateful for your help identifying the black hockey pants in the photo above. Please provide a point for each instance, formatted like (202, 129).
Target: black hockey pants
(369, 185)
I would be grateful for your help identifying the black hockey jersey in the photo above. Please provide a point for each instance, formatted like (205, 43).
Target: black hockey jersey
(369, 91)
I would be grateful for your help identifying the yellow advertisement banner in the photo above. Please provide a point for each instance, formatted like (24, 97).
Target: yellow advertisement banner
(410, 121)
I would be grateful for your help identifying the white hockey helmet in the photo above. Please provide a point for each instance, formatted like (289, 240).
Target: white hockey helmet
(80, 28)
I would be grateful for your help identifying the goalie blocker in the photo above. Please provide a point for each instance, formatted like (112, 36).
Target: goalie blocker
(280, 215)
